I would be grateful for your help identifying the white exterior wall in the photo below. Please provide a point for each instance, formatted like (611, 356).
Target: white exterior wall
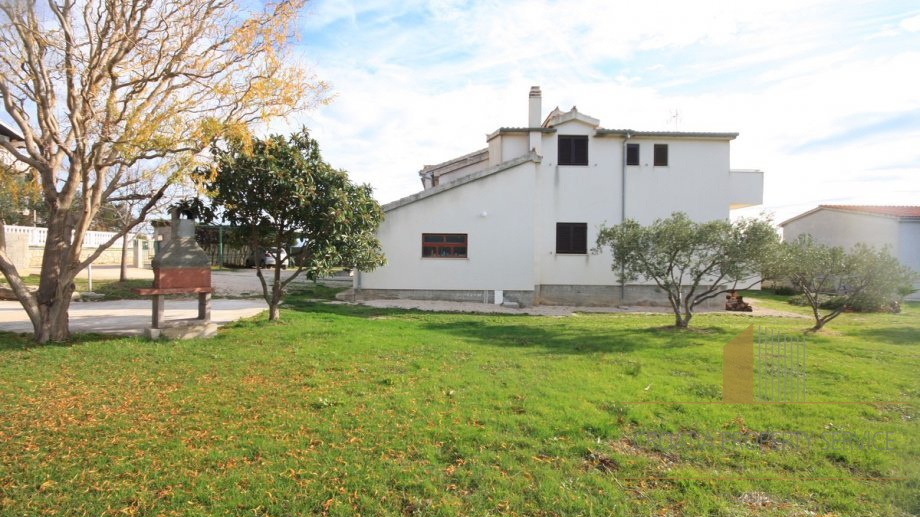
(500, 244)
(514, 145)
(576, 194)
(513, 248)
(746, 188)
(909, 250)
(495, 151)
(696, 181)
(909, 244)
(463, 171)
(845, 229)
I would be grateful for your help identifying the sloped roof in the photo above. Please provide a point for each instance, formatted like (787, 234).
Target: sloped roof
(898, 212)
(458, 162)
(665, 134)
(463, 180)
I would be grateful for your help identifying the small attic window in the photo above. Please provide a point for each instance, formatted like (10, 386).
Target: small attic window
(573, 150)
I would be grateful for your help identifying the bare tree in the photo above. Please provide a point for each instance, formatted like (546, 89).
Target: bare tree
(96, 87)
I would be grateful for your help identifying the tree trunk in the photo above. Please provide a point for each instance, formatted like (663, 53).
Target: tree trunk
(680, 321)
(56, 285)
(54, 323)
(688, 314)
(274, 312)
(123, 275)
(674, 299)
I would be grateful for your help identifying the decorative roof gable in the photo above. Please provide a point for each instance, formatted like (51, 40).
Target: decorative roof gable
(557, 117)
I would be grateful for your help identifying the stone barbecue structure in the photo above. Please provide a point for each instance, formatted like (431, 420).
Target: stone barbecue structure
(181, 267)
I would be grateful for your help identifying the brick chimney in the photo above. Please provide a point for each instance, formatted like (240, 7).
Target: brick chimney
(534, 113)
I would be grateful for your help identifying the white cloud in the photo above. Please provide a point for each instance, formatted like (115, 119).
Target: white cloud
(422, 85)
(911, 24)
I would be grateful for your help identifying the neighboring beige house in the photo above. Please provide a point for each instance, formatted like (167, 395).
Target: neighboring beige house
(897, 227)
(516, 220)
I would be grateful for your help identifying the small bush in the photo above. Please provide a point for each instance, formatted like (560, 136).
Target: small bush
(783, 290)
(858, 304)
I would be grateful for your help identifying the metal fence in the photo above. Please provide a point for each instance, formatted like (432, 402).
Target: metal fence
(780, 359)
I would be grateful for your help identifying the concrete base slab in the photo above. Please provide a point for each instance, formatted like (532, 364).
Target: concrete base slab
(190, 331)
(130, 317)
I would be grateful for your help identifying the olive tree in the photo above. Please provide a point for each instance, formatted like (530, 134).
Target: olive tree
(98, 87)
(823, 272)
(690, 261)
(277, 192)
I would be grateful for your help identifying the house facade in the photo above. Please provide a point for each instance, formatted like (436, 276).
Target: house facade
(894, 227)
(516, 221)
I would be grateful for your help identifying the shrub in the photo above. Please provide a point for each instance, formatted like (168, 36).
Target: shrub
(856, 304)
(837, 280)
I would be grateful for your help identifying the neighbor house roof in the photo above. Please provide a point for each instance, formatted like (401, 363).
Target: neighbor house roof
(898, 212)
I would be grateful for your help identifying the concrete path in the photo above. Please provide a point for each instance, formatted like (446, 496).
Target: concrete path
(130, 317)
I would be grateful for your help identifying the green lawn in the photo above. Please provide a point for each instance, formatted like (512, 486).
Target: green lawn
(342, 410)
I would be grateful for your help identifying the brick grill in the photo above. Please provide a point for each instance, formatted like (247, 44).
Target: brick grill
(181, 262)
(180, 267)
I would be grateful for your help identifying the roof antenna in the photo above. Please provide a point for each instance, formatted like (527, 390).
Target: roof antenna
(675, 119)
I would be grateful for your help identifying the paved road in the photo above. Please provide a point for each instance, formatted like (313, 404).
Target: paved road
(130, 317)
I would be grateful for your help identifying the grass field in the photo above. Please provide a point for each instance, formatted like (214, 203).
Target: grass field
(342, 410)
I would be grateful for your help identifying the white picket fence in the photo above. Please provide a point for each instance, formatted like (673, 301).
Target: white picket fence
(38, 235)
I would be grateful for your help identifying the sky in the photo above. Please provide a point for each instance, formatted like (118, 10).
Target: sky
(825, 94)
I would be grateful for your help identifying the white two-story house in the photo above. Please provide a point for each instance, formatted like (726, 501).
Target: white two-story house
(516, 221)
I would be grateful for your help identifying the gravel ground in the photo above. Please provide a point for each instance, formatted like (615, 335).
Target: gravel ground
(553, 310)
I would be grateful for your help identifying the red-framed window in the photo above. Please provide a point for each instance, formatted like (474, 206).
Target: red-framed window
(444, 245)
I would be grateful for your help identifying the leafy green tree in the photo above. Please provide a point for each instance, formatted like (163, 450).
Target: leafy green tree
(278, 192)
(691, 262)
(823, 272)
